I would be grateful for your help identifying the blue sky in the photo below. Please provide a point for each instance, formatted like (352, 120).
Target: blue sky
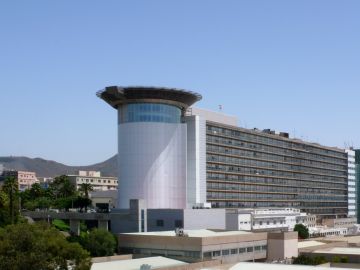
(288, 65)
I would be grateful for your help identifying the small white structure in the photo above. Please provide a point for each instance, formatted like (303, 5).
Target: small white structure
(267, 219)
(324, 231)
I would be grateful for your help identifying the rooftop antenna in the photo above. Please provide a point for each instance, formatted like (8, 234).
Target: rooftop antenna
(220, 108)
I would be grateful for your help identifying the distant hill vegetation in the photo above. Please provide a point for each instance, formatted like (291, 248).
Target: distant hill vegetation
(49, 168)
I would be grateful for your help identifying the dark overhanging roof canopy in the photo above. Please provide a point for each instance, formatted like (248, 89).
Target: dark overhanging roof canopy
(117, 95)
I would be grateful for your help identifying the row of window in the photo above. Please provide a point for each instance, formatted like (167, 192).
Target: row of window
(309, 207)
(261, 138)
(269, 172)
(268, 188)
(212, 194)
(149, 112)
(305, 183)
(234, 251)
(268, 163)
(280, 154)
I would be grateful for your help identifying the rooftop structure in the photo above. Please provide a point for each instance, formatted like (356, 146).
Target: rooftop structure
(116, 96)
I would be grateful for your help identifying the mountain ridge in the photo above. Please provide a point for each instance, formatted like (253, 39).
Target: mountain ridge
(50, 168)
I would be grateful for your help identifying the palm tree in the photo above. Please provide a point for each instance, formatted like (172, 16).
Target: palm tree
(85, 188)
(11, 187)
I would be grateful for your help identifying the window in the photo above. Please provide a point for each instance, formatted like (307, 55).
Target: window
(216, 253)
(207, 254)
(249, 249)
(233, 251)
(242, 250)
(178, 223)
(257, 248)
(264, 247)
(160, 222)
(226, 252)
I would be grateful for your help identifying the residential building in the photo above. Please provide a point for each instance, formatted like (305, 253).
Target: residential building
(175, 156)
(25, 179)
(283, 219)
(97, 181)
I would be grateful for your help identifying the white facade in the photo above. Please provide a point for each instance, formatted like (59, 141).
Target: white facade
(196, 160)
(267, 219)
(152, 164)
(351, 184)
(98, 182)
(323, 231)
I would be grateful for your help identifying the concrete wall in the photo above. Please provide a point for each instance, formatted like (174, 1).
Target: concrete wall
(282, 245)
(168, 216)
(204, 219)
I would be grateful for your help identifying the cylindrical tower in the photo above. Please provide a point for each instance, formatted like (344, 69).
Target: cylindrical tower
(151, 144)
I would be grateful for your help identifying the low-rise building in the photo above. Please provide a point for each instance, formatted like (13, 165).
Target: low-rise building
(197, 245)
(340, 222)
(267, 219)
(95, 179)
(25, 179)
(324, 231)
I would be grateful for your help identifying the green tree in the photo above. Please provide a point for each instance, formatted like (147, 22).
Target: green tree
(100, 242)
(39, 247)
(11, 188)
(4, 204)
(302, 230)
(85, 189)
(61, 187)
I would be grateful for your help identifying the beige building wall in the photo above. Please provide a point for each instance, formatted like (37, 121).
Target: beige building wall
(282, 245)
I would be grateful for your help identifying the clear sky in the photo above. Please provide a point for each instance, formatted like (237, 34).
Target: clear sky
(288, 65)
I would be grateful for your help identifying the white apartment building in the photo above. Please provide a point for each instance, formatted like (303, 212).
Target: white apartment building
(267, 219)
(94, 178)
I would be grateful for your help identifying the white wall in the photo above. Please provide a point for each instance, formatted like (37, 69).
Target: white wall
(152, 164)
(196, 160)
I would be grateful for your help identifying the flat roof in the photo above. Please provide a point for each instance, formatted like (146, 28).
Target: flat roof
(134, 264)
(274, 266)
(340, 250)
(306, 244)
(194, 233)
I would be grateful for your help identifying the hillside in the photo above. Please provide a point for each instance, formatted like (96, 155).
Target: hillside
(49, 168)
